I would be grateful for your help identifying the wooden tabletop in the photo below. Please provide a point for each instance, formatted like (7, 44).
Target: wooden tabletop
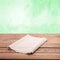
(49, 50)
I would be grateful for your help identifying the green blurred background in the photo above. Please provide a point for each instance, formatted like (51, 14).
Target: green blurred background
(30, 16)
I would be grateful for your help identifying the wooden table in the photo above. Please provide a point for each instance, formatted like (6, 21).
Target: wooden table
(49, 50)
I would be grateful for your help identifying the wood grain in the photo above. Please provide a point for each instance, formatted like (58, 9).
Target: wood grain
(49, 50)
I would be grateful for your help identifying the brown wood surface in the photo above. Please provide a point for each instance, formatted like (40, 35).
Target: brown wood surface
(49, 50)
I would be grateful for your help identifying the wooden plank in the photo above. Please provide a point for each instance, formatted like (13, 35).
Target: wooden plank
(51, 45)
(6, 50)
(49, 50)
(40, 50)
(34, 56)
(14, 36)
(11, 36)
(52, 41)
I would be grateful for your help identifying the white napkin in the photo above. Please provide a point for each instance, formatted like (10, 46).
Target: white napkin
(27, 44)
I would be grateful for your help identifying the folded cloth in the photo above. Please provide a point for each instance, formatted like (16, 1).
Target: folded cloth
(27, 44)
